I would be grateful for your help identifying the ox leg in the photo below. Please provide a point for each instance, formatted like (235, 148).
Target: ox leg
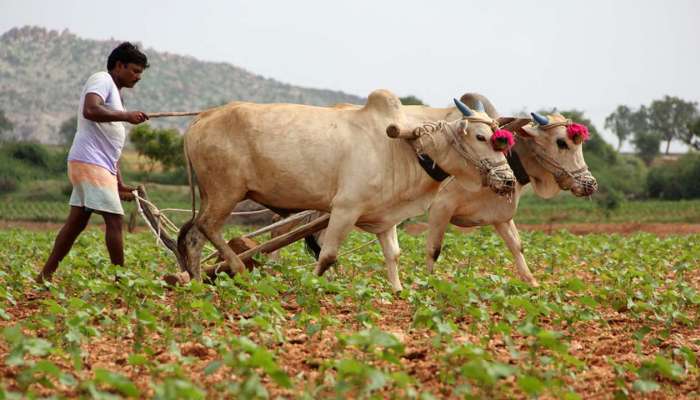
(509, 233)
(390, 247)
(194, 240)
(210, 223)
(438, 220)
(340, 224)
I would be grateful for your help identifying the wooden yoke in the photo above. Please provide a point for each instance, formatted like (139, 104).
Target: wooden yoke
(394, 131)
(513, 124)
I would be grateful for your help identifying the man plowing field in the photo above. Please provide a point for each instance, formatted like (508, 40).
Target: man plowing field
(93, 160)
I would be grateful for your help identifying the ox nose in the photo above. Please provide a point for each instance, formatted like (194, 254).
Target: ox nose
(585, 187)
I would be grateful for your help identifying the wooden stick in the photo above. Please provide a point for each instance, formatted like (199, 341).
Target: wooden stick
(276, 243)
(286, 221)
(172, 114)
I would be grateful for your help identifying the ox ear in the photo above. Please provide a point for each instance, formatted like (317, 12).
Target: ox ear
(528, 131)
(462, 126)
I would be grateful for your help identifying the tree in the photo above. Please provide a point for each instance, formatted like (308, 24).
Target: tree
(5, 124)
(68, 129)
(692, 138)
(411, 100)
(670, 118)
(647, 144)
(158, 145)
(620, 123)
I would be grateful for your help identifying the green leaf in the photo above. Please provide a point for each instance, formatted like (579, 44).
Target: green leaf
(212, 367)
(137, 359)
(530, 385)
(645, 386)
(117, 381)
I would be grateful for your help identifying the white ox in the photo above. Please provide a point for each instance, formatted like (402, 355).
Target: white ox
(544, 155)
(333, 159)
(548, 153)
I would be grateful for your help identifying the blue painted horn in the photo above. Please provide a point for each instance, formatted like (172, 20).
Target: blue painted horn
(540, 119)
(463, 108)
(480, 106)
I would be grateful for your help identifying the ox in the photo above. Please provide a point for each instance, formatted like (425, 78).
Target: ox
(339, 160)
(548, 154)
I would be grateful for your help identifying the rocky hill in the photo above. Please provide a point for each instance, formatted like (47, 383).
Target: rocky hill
(42, 72)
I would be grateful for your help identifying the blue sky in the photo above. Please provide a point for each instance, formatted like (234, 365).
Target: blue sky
(590, 55)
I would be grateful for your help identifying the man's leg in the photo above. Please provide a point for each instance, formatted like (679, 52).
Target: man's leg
(113, 237)
(76, 223)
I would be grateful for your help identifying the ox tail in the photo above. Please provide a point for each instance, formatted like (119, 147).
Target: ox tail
(181, 241)
(471, 99)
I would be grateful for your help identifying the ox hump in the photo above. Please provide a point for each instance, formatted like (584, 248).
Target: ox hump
(383, 101)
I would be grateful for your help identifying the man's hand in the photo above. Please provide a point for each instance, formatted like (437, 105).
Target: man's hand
(126, 196)
(136, 117)
(125, 192)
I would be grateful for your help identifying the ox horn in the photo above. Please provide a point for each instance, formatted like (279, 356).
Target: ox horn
(466, 111)
(539, 118)
(480, 106)
(395, 131)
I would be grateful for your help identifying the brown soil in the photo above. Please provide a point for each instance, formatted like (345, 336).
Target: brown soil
(303, 356)
(586, 228)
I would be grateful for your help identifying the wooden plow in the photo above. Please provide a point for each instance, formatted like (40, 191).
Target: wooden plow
(244, 246)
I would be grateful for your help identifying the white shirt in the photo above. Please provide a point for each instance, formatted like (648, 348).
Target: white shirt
(99, 143)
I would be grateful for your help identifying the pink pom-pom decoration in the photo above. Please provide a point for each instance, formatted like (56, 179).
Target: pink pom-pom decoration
(502, 140)
(577, 133)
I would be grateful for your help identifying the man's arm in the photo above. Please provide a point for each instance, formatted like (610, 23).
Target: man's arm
(94, 109)
(124, 190)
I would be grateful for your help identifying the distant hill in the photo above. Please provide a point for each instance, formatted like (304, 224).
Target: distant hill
(43, 71)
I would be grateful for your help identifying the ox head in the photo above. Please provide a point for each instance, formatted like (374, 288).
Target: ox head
(556, 144)
(471, 149)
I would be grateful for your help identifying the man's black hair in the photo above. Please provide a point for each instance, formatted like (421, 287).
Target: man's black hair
(126, 53)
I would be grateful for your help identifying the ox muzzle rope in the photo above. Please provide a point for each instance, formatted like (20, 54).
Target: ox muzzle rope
(553, 166)
(484, 166)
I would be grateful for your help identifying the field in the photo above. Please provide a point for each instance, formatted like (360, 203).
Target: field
(616, 316)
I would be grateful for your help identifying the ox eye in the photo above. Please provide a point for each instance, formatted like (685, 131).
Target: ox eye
(561, 143)
(480, 138)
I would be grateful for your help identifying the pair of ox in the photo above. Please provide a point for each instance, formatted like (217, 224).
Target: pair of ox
(547, 154)
(338, 160)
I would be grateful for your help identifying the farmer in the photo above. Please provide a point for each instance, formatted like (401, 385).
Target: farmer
(93, 160)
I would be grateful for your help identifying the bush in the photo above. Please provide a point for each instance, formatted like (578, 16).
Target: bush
(677, 180)
(625, 175)
(32, 153)
(8, 184)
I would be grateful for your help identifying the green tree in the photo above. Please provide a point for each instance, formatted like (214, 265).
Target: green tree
(162, 146)
(411, 100)
(692, 137)
(68, 129)
(670, 117)
(620, 122)
(647, 144)
(5, 124)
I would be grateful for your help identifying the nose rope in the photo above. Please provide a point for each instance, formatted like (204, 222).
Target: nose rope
(552, 165)
(484, 165)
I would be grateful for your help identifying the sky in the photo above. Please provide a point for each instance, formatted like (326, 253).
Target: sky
(523, 54)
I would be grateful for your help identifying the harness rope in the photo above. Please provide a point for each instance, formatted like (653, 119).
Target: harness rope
(429, 128)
